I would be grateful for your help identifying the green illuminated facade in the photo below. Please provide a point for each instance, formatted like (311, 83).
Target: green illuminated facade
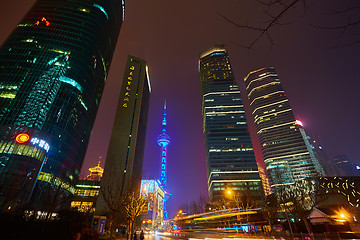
(230, 156)
(53, 69)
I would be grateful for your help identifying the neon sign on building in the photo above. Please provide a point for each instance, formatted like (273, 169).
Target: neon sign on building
(24, 138)
(47, 23)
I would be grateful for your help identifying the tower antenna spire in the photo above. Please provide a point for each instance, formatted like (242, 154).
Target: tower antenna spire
(163, 141)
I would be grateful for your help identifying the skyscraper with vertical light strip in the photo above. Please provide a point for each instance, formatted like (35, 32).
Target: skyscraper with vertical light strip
(287, 153)
(53, 68)
(231, 163)
(124, 159)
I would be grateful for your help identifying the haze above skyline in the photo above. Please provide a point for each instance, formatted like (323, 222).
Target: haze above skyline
(321, 82)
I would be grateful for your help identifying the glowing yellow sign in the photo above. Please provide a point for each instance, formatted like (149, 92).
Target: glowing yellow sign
(126, 98)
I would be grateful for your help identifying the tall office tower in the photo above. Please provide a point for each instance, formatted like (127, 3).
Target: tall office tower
(124, 160)
(344, 167)
(53, 68)
(231, 163)
(325, 162)
(286, 151)
(163, 141)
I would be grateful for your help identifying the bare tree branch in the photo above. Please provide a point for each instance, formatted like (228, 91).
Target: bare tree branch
(346, 10)
(264, 31)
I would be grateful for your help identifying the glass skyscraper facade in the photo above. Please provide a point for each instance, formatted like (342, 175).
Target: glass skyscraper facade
(230, 156)
(287, 153)
(53, 68)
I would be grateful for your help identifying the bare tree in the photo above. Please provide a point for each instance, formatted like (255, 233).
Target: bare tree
(202, 202)
(196, 206)
(276, 13)
(270, 209)
(136, 206)
(348, 24)
(115, 203)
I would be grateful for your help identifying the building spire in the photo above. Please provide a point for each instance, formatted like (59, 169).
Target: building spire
(164, 122)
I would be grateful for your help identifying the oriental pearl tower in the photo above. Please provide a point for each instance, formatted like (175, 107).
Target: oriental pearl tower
(163, 141)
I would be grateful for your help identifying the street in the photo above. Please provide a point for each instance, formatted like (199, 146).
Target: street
(200, 235)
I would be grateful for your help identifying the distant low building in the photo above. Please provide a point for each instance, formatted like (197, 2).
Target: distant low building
(87, 190)
(96, 173)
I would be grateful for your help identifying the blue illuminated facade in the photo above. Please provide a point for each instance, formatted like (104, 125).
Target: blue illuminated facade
(163, 141)
(53, 69)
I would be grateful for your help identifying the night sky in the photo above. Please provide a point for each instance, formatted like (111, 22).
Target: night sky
(321, 81)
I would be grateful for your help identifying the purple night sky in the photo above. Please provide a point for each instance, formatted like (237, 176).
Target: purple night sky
(321, 82)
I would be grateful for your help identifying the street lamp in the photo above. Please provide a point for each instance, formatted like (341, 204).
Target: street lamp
(179, 213)
(343, 215)
(232, 196)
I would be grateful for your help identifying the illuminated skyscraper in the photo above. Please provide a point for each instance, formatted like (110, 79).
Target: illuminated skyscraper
(124, 160)
(53, 69)
(230, 156)
(163, 141)
(287, 153)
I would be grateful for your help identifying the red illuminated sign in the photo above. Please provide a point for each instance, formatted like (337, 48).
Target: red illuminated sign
(22, 138)
(47, 23)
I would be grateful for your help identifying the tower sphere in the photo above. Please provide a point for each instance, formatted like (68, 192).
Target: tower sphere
(163, 139)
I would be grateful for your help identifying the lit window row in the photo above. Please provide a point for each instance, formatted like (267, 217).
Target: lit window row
(82, 206)
(231, 150)
(24, 150)
(47, 177)
(269, 105)
(222, 113)
(86, 192)
(9, 87)
(221, 93)
(260, 78)
(229, 106)
(7, 95)
(263, 86)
